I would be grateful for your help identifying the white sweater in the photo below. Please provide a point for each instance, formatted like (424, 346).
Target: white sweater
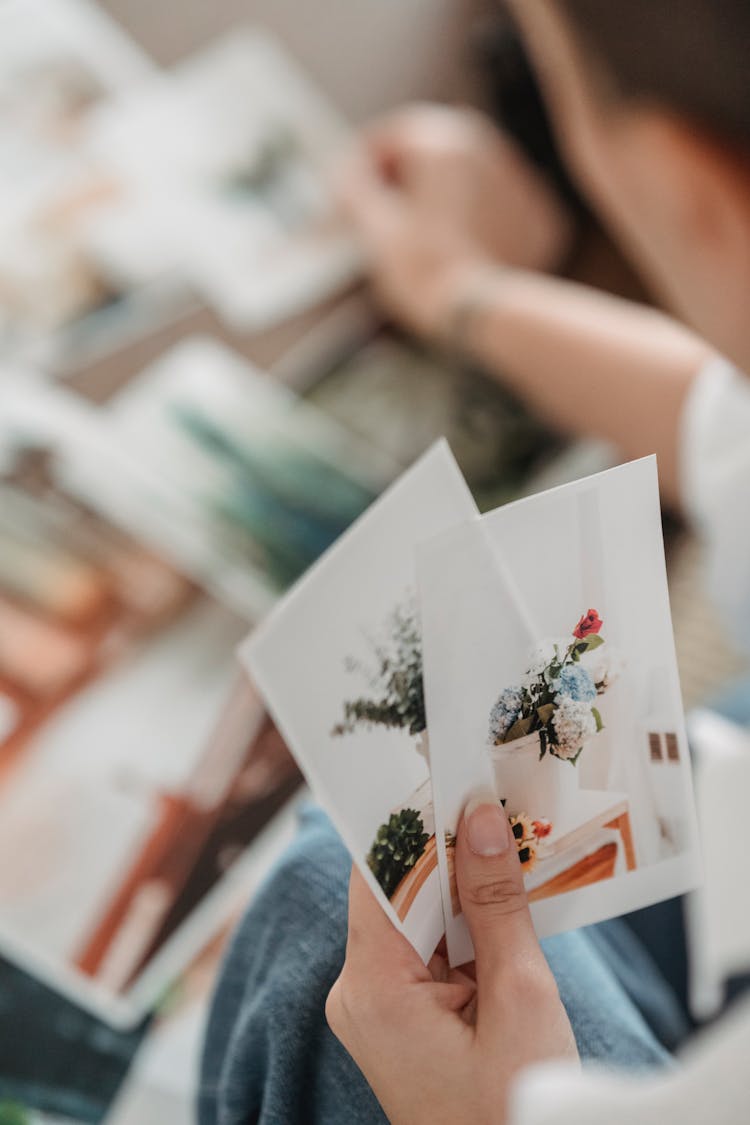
(712, 1087)
(712, 1084)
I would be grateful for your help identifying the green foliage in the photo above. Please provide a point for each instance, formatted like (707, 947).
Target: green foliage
(397, 846)
(520, 728)
(588, 644)
(13, 1114)
(537, 711)
(397, 699)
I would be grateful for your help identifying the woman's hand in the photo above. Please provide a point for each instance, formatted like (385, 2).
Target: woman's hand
(439, 194)
(444, 1045)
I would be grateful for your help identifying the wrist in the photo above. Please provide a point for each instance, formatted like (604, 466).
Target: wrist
(468, 297)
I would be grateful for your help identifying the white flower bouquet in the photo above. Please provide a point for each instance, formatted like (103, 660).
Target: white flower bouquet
(557, 697)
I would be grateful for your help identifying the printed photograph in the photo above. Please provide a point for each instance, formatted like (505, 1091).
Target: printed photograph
(227, 160)
(136, 766)
(59, 61)
(401, 855)
(253, 483)
(132, 187)
(550, 676)
(339, 666)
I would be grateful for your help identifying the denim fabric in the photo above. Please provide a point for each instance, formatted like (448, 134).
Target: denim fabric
(54, 1056)
(269, 1056)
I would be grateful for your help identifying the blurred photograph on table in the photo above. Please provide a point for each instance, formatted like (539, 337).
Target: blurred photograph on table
(226, 161)
(247, 483)
(134, 193)
(59, 60)
(132, 774)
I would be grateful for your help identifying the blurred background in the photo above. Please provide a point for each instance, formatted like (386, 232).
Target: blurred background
(197, 395)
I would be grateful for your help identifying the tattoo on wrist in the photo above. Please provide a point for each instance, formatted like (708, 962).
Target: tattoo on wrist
(468, 312)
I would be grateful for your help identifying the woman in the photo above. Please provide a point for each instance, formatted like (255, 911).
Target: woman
(654, 119)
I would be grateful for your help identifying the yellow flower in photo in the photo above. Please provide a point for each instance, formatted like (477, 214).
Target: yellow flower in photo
(527, 854)
(522, 827)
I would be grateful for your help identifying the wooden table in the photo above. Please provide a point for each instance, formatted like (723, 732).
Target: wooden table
(573, 858)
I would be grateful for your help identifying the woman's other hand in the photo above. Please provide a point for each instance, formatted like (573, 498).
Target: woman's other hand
(437, 195)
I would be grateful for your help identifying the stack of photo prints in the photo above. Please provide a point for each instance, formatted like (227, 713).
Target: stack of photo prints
(433, 651)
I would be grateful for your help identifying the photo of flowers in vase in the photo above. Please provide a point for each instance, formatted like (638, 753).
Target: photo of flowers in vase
(551, 716)
(538, 728)
(572, 733)
(556, 701)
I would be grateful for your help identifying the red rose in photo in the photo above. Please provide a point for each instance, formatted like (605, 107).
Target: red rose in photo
(590, 623)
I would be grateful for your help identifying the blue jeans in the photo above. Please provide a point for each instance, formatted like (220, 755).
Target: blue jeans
(269, 1056)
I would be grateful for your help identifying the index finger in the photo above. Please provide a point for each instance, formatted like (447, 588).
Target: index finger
(373, 941)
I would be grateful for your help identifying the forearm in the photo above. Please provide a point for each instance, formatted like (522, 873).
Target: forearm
(589, 363)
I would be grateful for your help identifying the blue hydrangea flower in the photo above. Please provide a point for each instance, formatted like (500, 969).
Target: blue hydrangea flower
(576, 682)
(505, 712)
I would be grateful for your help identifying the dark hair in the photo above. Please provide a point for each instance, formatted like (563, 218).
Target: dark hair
(692, 56)
(515, 101)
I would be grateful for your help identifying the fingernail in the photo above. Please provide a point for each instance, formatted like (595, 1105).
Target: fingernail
(487, 828)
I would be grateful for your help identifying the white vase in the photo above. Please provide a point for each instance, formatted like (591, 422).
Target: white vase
(544, 789)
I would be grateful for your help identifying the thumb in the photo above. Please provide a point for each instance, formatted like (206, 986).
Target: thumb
(363, 196)
(493, 898)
